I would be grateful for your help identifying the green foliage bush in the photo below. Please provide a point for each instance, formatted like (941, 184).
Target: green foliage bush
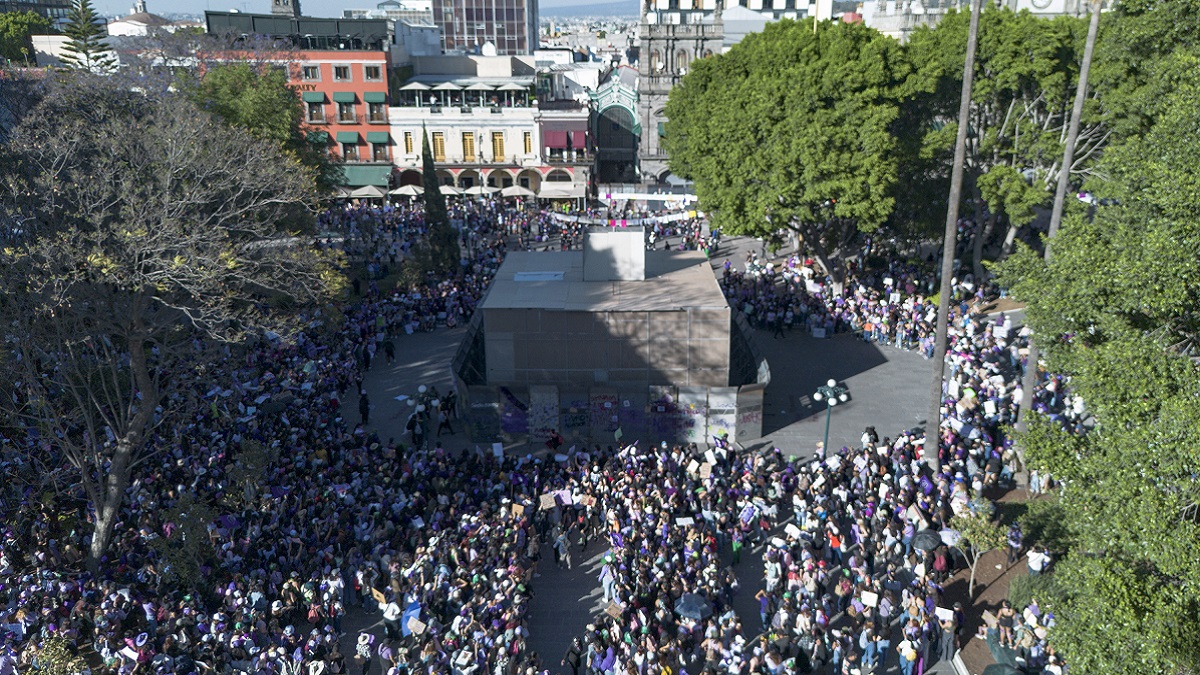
(1044, 522)
(1044, 588)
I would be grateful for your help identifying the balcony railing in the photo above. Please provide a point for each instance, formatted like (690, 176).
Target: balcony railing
(316, 119)
(377, 119)
(436, 109)
(347, 118)
(466, 110)
(559, 104)
(579, 158)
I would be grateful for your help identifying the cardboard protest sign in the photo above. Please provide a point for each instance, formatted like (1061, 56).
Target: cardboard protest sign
(378, 595)
(613, 610)
(417, 626)
(518, 510)
(706, 470)
(546, 501)
(989, 619)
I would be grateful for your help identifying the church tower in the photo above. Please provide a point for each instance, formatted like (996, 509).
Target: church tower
(286, 8)
(672, 35)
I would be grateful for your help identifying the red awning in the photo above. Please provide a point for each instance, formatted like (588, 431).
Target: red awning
(556, 140)
(579, 140)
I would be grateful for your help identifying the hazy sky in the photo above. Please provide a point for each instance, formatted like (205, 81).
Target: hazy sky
(115, 8)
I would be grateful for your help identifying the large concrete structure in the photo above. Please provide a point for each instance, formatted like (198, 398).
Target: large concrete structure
(488, 27)
(486, 127)
(673, 34)
(55, 10)
(340, 70)
(605, 339)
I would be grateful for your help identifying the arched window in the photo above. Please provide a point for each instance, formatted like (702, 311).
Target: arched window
(656, 64)
(681, 61)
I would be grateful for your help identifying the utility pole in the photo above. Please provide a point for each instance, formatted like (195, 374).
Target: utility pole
(930, 453)
(1029, 380)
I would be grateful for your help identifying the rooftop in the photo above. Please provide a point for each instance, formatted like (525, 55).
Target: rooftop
(554, 280)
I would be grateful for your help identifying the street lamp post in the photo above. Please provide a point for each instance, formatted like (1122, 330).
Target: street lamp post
(832, 394)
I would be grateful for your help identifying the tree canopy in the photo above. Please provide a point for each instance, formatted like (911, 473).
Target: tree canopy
(87, 49)
(143, 233)
(15, 29)
(441, 252)
(1119, 304)
(1025, 74)
(255, 95)
(791, 129)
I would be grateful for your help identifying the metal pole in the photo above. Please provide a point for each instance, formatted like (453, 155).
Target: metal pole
(930, 452)
(828, 414)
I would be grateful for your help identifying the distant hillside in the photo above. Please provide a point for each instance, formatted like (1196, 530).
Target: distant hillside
(617, 8)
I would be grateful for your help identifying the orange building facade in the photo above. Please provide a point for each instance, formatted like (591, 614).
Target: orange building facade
(344, 99)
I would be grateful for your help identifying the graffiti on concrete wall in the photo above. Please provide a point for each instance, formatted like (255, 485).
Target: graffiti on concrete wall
(514, 414)
(604, 414)
(543, 414)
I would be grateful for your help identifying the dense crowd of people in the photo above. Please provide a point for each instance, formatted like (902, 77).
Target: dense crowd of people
(307, 514)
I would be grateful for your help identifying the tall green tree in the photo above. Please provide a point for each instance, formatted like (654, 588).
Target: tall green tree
(792, 130)
(980, 536)
(150, 234)
(442, 254)
(1119, 306)
(256, 96)
(87, 49)
(1020, 107)
(15, 30)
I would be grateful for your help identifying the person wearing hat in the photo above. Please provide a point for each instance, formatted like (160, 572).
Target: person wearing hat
(363, 654)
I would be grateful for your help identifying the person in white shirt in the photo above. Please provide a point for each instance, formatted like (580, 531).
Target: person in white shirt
(1039, 559)
(391, 616)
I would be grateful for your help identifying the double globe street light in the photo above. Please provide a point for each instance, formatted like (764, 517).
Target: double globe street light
(832, 394)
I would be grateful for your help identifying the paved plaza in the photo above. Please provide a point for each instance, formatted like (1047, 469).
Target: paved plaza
(888, 389)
